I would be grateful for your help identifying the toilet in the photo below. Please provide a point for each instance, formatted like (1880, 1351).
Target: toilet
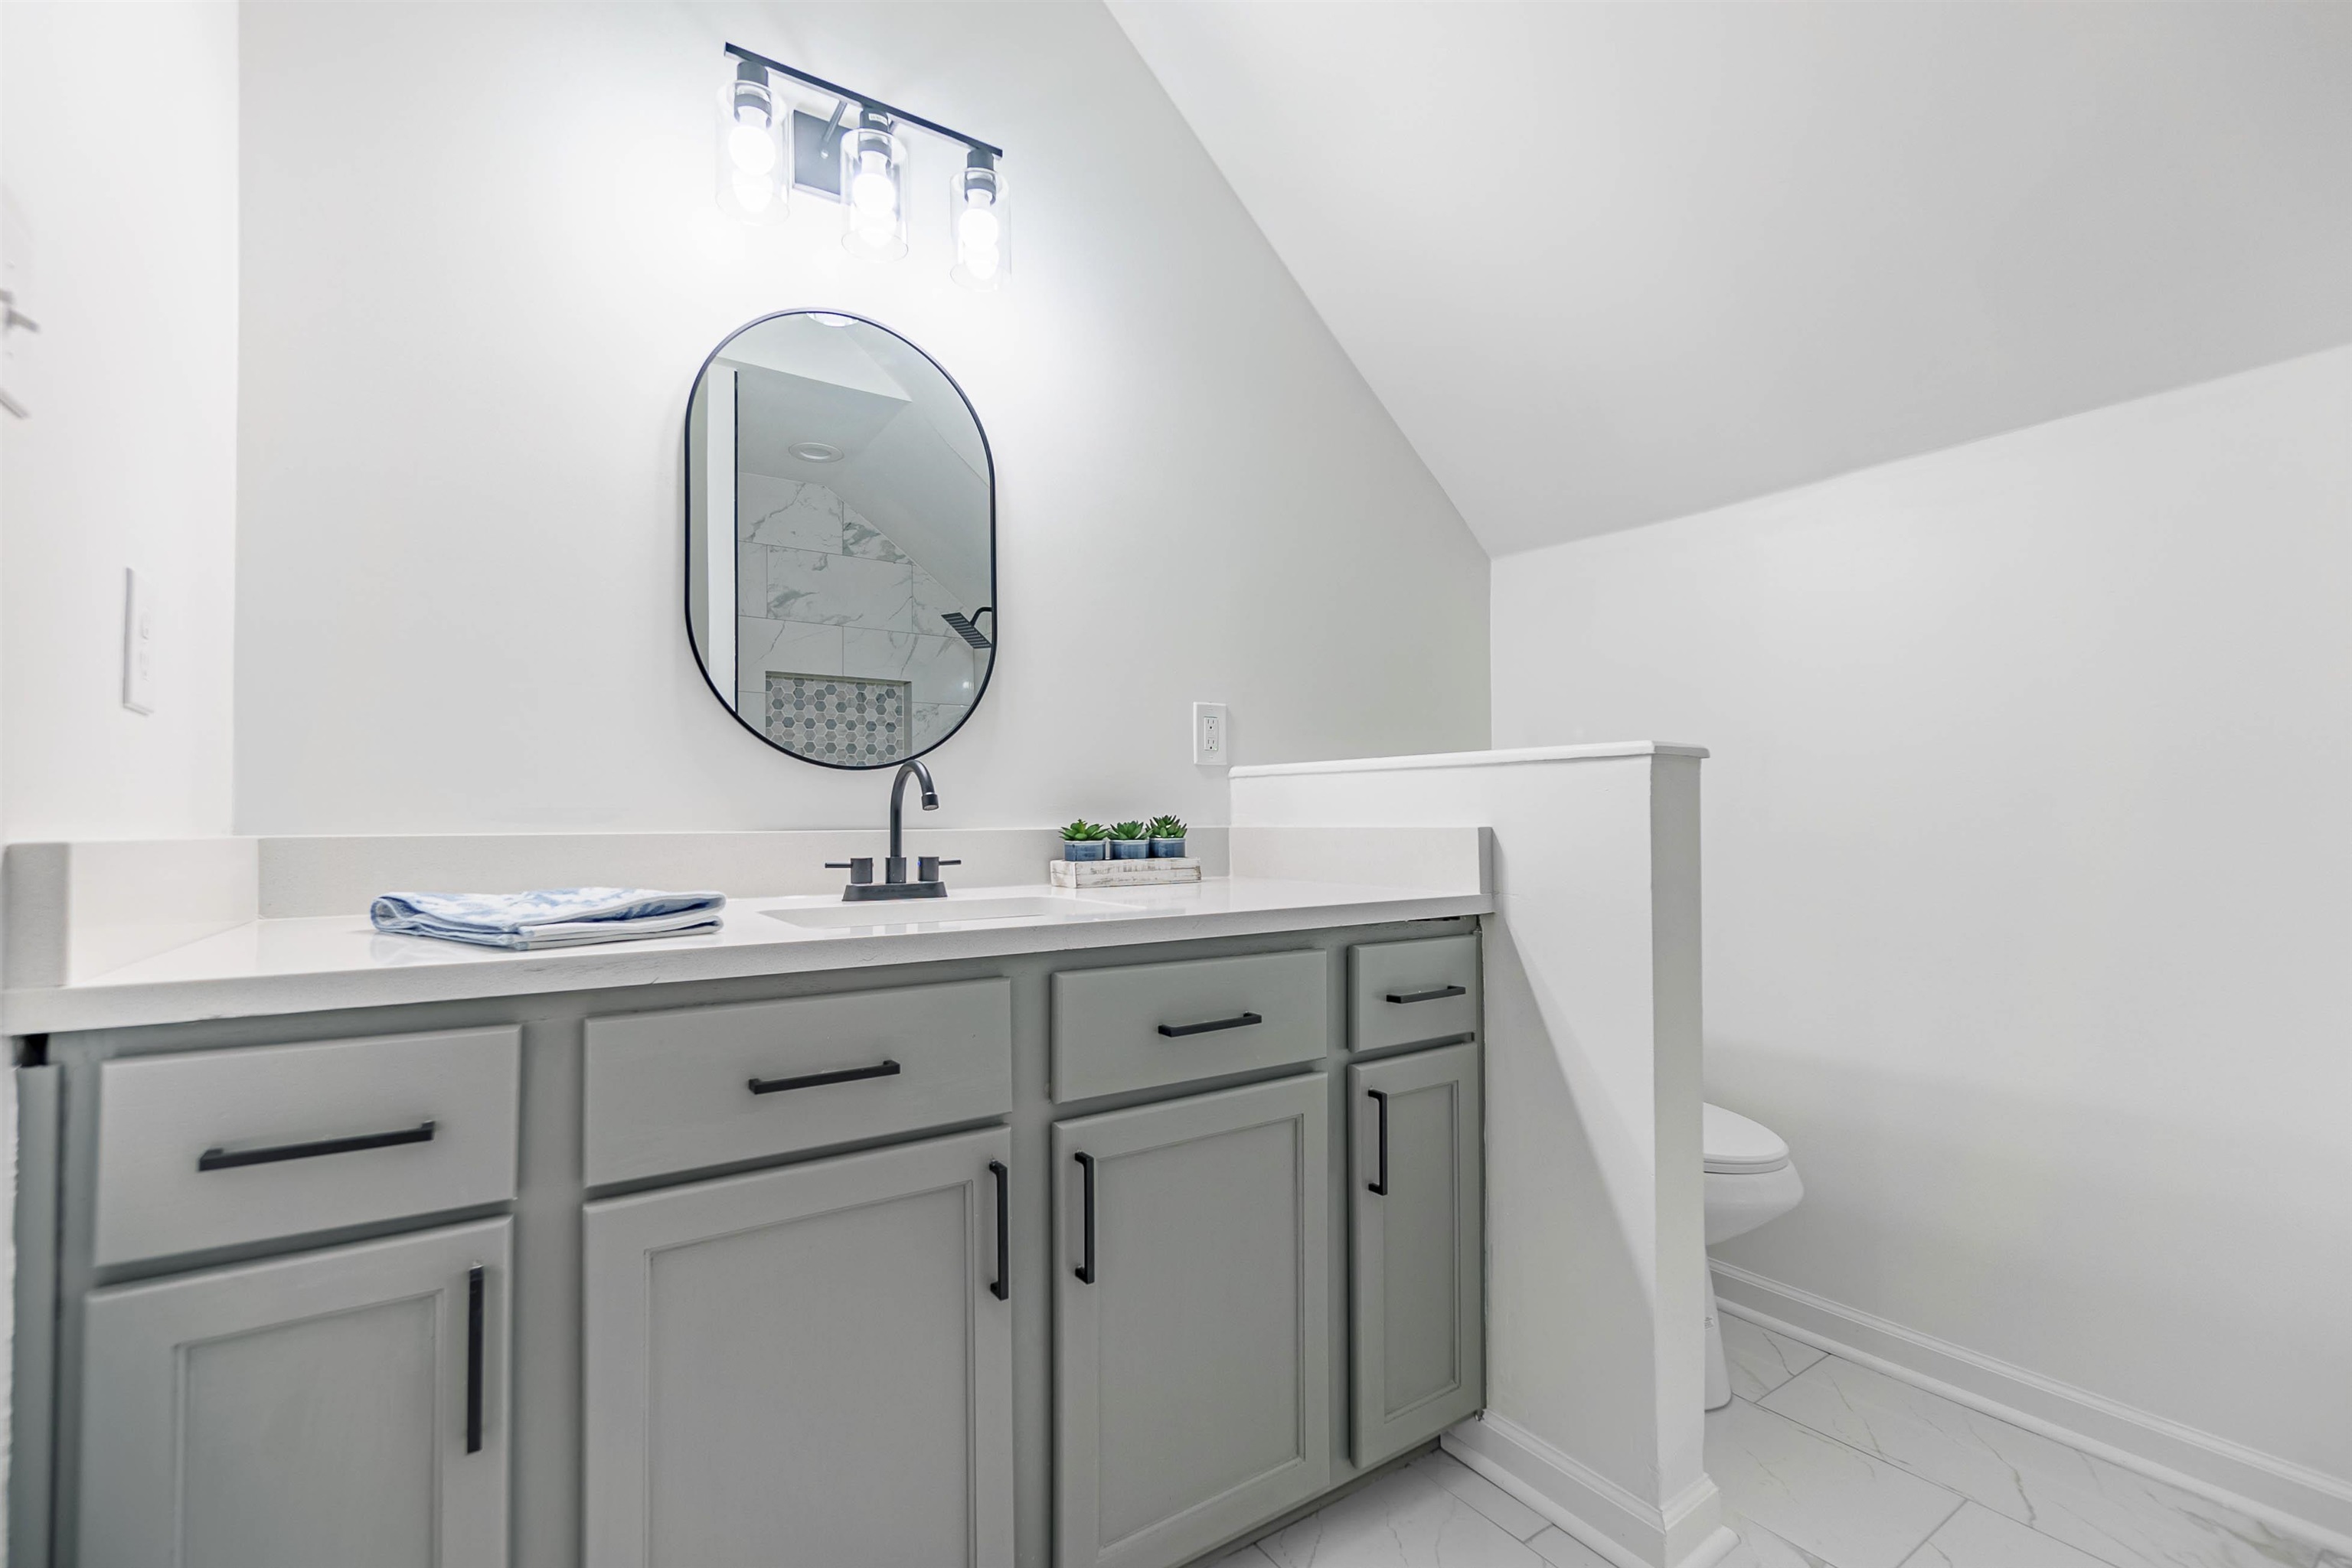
(1750, 1180)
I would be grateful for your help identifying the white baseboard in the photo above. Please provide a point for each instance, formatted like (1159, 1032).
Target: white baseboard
(1687, 1533)
(2289, 1496)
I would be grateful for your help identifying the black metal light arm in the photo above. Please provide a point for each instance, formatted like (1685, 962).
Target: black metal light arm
(862, 102)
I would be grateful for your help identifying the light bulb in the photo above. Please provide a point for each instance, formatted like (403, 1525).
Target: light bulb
(977, 228)
(752, 148)
(874, 220)
(753, 194)
(872, 192)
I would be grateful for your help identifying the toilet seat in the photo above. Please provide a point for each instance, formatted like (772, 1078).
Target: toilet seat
(1733, 1146)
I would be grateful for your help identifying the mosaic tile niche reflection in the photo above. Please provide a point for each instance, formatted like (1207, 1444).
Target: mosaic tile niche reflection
(840, 720)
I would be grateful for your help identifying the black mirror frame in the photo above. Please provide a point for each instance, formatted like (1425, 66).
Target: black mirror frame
(686, 597)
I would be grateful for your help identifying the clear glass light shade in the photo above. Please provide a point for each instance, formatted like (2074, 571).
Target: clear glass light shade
(873, 178)
(750, 158)
(976, 216)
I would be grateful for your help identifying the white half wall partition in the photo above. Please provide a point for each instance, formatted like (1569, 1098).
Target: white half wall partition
(1596, 1268)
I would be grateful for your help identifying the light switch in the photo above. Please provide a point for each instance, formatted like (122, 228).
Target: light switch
(138, 643)
(1209, 735)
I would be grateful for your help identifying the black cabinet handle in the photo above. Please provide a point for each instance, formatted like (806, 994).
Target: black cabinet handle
(813, 1079)
(1379, 1184)
(227, 1160)
(474, 1359)
(1087, 1268)
(1240, 1021)
(1407, 999)
(1003, 1288)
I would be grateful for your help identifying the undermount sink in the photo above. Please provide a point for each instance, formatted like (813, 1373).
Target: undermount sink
(949, 911)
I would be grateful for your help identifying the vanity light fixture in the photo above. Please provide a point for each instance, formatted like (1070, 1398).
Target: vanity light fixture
(856, 155)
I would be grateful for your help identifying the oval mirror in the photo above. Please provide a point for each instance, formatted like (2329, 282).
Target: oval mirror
(840, 540)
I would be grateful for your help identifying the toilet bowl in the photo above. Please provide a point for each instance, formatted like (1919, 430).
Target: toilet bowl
(1750, 1180)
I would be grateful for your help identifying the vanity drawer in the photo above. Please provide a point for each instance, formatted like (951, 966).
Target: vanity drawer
(1155, 1024)
(216, 1148)
(1412, 993)
(710, 1085)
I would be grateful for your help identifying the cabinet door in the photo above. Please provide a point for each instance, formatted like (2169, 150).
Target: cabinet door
(808, 1366)
(344, 1406)
(1414, 1194)
(1192, 1342)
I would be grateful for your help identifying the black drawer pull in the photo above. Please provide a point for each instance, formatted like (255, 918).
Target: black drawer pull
(1239, 1021)
(1085, 1270)
(1378, 1185)
(474, 1359)
(812, 1079)
(1407, 999)
(1003, 1288)
(227, 1159)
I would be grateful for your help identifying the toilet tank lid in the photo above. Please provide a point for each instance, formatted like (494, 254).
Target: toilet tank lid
(1734, 1145)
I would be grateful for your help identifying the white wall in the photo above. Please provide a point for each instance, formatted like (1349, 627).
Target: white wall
(473, 305)
(119, 171)
(2029, 878)
(119, 144)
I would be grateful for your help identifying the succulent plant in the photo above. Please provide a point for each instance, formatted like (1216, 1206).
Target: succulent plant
(1128, 830)
(1167, 828)
(1082, 831)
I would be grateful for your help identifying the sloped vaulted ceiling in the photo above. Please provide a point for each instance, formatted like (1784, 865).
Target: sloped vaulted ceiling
(1612, 263)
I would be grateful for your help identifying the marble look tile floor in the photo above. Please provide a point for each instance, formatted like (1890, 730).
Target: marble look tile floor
(1823, 1464)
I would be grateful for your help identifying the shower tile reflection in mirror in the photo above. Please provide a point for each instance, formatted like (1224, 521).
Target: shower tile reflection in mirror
(821, 592)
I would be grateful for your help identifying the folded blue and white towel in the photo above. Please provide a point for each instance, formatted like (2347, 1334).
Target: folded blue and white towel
(551, 917)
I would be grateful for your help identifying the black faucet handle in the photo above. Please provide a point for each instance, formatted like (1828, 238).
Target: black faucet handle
(860, 870)
(926, 868)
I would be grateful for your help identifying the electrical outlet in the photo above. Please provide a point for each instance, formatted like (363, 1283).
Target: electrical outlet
(1210, 735)
(138, 643)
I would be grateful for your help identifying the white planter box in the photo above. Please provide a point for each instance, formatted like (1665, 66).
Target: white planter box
(1123, 873)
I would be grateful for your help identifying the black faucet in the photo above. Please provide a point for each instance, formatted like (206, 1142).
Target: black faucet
(894, 884)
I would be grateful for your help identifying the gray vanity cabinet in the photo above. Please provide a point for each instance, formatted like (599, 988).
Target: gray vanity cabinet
(783, 1291)
(1193, 1329)
(809, 1365)
(1415, 1201)
(343, 1406)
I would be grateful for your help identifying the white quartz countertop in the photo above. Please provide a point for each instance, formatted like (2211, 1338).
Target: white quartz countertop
(314, 963)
